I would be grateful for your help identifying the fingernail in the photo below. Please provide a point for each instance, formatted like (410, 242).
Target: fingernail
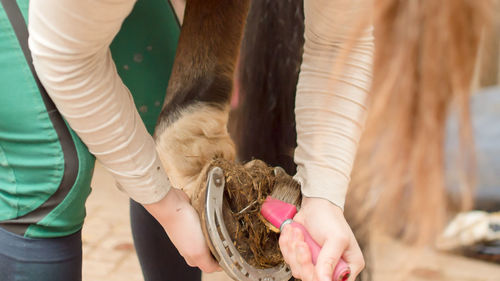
(292, 233)
(296, 233)
(288, 235)
(285, 230)
(300, 236)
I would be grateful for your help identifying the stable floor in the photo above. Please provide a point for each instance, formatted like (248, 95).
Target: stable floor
(108, 251)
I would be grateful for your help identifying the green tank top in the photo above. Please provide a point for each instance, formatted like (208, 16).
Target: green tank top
(31, 158)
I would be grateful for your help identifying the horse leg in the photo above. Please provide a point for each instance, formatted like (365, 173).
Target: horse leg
(192, 127)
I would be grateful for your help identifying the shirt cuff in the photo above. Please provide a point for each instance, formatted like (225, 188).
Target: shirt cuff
(152, 191)
(322, 182)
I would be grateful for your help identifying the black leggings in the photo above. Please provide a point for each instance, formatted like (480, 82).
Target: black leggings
(159, 259)
(29, 259)
(60, 259)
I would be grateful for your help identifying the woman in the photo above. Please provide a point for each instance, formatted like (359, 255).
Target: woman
(70, 44)
(46, 169)
(69, 41)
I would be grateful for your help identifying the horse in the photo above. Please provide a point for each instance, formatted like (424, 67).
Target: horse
(192, 127)
(252, 49)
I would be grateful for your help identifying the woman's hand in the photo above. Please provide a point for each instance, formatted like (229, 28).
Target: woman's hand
(328, 227)
(182, 224)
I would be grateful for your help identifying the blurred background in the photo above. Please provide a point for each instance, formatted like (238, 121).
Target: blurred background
(462, 254)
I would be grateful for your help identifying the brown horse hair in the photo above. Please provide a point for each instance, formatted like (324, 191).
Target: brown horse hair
(206, 57)
(192, 126)
(424, 62)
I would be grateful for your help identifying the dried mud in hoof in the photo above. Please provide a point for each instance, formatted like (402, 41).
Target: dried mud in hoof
(246, 188)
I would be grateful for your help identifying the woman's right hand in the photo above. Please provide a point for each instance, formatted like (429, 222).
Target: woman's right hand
(182, 224)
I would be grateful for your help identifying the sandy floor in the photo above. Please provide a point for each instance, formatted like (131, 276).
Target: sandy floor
(109, 253)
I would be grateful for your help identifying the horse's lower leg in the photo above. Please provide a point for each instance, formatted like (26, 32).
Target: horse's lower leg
(192, 128)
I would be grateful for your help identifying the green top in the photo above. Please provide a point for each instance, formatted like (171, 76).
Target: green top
(31, 158)
(144, 52)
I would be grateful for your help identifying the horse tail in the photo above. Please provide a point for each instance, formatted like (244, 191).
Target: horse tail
(269, 64)
(419, 78)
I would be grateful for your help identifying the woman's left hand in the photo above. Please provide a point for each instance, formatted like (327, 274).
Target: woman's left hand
(326, 224)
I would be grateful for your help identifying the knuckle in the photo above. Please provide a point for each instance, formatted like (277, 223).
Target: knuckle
(343, 239)
(303, 257)
(190, 263)
(295, 271)
(296, 275)
(329, 261)
(362, 264)
(287, 260)
(192, 257)
(302, 260)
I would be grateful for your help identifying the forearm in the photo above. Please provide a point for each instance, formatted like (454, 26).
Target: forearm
(70, 46)
(330, 101)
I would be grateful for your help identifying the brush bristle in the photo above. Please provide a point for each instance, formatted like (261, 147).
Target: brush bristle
(287, 190)
(269, 225)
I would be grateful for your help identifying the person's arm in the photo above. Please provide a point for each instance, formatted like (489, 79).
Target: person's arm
(330, 111)
(330, 101)
(69, 41)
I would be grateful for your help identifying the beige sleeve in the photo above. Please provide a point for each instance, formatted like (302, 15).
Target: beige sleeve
(330, 106)
(70, 42)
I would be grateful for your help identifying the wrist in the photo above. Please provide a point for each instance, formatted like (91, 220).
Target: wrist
(318, 202)
(164, 209)
(320, 182)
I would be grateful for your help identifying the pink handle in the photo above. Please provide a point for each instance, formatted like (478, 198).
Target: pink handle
(342, 270)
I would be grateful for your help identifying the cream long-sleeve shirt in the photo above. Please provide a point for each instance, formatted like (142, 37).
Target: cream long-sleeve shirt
(70, 39)
(330, 101)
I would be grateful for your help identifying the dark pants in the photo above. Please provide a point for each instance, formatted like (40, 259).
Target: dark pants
(160, 260)
(29, 259)
(60, 259)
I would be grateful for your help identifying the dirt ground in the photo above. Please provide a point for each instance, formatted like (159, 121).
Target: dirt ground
(108, 252)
